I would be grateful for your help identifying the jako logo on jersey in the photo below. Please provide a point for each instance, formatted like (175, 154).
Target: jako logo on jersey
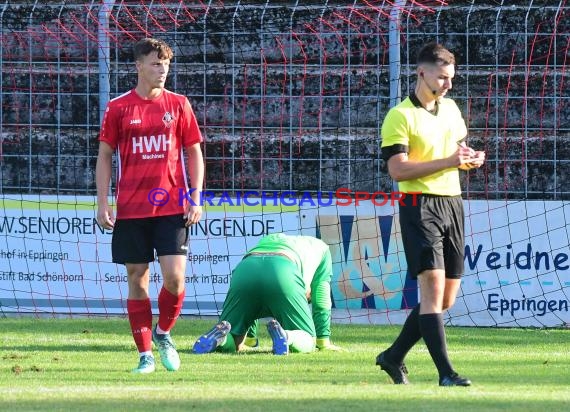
(136, 121)
(167, 119)
(151, 144)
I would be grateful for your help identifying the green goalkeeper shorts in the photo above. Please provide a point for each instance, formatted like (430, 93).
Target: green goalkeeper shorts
(267, 286)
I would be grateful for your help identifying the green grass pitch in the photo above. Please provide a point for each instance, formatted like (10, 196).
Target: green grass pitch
(84, 365)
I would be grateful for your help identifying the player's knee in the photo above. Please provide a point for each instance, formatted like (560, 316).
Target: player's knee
(447, 303)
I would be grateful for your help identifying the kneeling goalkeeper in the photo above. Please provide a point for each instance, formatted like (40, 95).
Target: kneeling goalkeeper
(278, 278)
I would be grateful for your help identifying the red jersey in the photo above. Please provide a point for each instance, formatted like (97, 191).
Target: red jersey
(149, 136)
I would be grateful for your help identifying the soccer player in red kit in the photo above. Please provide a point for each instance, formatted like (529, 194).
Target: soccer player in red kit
(153, 131)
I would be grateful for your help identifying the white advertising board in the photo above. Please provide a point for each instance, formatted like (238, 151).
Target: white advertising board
(56, 259)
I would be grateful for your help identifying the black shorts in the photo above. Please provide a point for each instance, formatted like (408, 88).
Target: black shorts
(135, 240)
(433, 234)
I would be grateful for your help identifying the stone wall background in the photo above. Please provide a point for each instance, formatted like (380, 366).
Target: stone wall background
(289, 97)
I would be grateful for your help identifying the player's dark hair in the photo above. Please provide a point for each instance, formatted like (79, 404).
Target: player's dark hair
(147, 45)
(435, 53)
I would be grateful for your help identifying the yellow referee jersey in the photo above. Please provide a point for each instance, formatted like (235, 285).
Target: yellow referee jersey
(410, 128)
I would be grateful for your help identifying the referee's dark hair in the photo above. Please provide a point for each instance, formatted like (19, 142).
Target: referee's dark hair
(435, 53)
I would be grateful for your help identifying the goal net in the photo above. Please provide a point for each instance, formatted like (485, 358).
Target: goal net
(290, 97)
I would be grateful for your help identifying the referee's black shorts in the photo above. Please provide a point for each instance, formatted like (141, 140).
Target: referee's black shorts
(433, 234)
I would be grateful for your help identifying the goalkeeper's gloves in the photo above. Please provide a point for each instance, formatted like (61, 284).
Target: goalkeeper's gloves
(325, 344)
(251, 342)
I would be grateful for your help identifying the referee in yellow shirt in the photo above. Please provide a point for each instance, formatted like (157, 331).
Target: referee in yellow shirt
(423, 143)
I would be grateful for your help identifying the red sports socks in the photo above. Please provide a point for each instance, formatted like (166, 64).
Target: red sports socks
(140, 318)
(169, 307)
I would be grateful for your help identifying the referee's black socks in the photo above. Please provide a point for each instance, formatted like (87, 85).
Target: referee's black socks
(433, 332)
(408, 337)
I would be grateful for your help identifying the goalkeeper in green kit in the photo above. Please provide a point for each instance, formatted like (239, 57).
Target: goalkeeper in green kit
(277, 279)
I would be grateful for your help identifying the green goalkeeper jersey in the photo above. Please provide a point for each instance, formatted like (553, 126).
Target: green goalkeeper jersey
(312, 257)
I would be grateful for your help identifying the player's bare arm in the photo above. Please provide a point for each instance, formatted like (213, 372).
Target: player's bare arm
(103, 170)
(402, 168)
(195, 162)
